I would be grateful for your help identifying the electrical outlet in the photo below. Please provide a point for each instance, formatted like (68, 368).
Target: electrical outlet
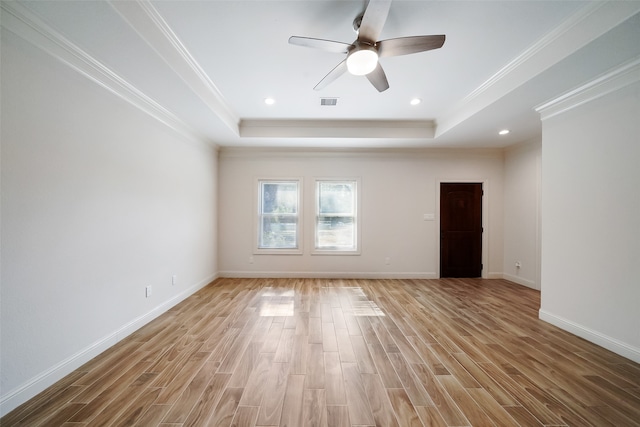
(250, 260)
(387, 260)
(518, 264)
(174, 280)
(147, 291)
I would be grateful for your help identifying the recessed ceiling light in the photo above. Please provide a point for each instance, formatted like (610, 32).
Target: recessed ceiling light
(504, 132)
(269, 101)
(415, 101)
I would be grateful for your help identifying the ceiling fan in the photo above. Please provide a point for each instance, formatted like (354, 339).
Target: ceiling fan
(364, 52)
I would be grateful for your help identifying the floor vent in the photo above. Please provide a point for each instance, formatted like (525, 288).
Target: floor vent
(328, 101)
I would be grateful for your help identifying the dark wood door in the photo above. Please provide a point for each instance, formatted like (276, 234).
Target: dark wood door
(460, 229)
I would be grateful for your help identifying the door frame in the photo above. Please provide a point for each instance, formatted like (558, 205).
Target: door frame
(485, 223)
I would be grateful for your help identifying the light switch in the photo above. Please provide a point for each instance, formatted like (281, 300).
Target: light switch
(429, 217)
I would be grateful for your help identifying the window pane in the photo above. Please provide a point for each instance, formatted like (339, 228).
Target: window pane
(279, 231)
(279, 197)
(335, 232)
(336, 198)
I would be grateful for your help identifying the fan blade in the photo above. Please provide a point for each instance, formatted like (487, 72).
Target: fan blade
(339, 70)
(373, 20)
(378, 78)
(407, 45)
(326, 45)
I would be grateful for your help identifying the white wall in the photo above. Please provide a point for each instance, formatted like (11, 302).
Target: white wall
(591, 214)
(98, 201)
(397, 189)
(522, 213)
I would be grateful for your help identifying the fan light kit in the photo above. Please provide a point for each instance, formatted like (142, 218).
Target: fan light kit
(362, 61)
(364, 52)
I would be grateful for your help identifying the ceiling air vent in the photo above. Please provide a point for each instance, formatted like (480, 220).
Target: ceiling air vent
(328, 101)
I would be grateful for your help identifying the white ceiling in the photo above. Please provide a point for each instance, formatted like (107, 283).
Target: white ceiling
(205, 67)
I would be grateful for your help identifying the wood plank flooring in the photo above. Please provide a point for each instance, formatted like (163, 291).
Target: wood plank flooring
(334, 353)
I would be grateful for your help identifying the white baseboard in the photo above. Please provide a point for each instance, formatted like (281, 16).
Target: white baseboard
(325, 275)
(40, 382)
(242, 274)
(521, 281)
(616, 346)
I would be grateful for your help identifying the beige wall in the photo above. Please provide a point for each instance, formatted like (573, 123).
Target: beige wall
(590, 211)
(397, 189)
(522, 164)
(98, 202)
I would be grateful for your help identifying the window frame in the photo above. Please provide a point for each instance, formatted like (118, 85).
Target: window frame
(258, 216)
(357, 220)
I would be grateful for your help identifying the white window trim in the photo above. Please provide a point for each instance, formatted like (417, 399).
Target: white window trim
(357, 217)
(257, 250)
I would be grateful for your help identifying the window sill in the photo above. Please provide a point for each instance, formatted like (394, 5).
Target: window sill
(335, 252)
(277, 252)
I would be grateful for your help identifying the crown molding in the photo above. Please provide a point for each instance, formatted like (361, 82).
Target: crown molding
(616, 79)
(338, 128)
(22, 22)
(581, 28)
(147, 22)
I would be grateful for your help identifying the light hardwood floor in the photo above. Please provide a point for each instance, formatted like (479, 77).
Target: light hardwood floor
(315, 352)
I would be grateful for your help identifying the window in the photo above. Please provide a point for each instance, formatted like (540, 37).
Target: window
(279, 215)
(336, 216)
